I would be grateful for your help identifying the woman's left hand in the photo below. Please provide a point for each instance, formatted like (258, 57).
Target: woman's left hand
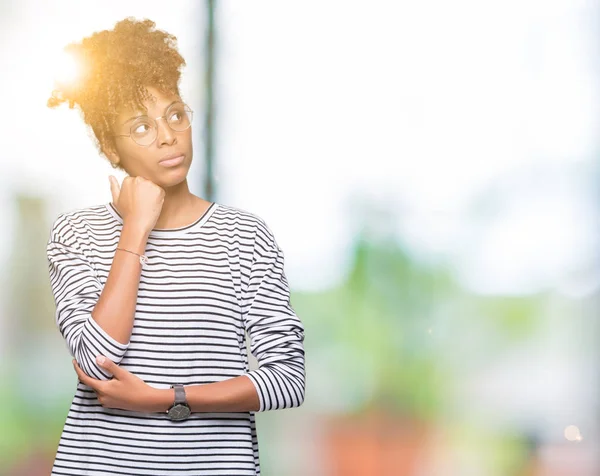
(124, 391)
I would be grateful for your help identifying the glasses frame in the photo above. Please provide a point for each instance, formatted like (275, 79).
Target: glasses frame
(164, 116)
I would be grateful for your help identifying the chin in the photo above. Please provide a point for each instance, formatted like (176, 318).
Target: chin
(172, 177)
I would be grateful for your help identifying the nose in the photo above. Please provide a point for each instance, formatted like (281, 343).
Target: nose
(164, 134)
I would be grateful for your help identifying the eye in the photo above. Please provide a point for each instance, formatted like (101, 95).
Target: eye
(140, 128)
(176, 116)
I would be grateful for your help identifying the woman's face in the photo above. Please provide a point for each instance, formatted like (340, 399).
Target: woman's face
(146, 145)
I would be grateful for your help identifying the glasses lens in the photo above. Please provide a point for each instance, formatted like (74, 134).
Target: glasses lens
(179, 117)
(143, 131)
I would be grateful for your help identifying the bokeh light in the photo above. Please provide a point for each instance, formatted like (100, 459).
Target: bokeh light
(67, 68)
(572, 433)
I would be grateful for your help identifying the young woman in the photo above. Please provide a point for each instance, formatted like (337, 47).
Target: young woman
(156, 290)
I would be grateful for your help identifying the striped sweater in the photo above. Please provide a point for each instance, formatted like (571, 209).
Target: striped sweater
(205, 287)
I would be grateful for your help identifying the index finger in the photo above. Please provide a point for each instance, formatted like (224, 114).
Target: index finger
(115, 190)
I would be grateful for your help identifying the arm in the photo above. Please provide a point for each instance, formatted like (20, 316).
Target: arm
(128, 392)
(237, 394)
(115, 309)
(94, 319)
(276, 333)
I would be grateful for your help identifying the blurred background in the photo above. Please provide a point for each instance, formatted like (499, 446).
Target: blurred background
(430, 170)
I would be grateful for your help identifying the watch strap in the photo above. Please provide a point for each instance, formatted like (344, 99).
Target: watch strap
(179, 394)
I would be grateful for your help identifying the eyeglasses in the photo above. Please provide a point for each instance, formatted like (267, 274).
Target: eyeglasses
(144, 129)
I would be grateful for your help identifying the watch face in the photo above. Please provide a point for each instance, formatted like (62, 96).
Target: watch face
(179, 412)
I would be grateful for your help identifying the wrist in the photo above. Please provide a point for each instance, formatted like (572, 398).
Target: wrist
(133, 237)
(160, 400)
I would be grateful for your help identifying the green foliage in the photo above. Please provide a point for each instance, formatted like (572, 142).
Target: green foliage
(26, 429)
(384, 334)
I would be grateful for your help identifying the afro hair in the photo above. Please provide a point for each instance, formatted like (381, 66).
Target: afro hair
(116, 68)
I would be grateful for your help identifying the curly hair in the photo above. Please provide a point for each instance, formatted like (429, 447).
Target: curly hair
(116, 67)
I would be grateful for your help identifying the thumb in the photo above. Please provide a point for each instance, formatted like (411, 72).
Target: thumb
(115, 190)
(108, 364)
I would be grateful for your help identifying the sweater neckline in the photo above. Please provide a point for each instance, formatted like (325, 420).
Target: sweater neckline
(170, 232)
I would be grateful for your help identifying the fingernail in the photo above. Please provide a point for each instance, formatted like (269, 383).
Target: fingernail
(100, 359)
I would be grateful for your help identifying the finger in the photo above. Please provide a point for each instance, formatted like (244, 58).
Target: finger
(109, 365)
(114, 189)
(84, 378)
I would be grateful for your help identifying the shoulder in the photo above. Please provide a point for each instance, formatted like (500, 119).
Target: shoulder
(256, 234)
(244, 220)
(77, 222)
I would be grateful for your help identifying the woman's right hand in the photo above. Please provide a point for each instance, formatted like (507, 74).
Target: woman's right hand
(139, 201)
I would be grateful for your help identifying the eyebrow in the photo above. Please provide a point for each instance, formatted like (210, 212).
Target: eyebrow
(142, 115)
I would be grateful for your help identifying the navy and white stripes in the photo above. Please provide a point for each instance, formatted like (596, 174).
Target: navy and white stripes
(206, 286)
(274, 330)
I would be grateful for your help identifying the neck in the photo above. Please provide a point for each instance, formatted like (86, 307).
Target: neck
(178, 206)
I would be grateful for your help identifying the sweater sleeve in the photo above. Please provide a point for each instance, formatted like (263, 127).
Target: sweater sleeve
(276, 333)
(76, 289)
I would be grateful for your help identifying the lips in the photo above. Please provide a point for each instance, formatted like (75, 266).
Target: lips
(171, 160)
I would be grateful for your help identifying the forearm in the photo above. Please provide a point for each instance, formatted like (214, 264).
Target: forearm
(237, 394)
(115, 309)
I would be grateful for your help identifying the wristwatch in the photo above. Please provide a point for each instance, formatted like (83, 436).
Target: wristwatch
(180, 410)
